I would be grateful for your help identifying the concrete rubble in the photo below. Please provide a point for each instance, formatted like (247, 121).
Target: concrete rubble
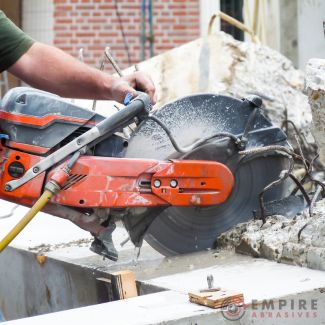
(315, 88)
(277, 239)
(219, 64)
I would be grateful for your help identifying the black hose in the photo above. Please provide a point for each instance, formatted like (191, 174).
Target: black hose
(73, 159)
(195, 144)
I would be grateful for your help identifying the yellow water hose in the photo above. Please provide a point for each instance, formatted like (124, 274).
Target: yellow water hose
(232, 21)
(38, 206)
(255, 16)
(52, 187)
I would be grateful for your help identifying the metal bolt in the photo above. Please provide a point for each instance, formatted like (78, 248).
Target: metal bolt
(35, 170)
(210, 281)
(157, 183)
(173, 183)
(254, 100)
(79, 142)
(7, 188)
(242, 144)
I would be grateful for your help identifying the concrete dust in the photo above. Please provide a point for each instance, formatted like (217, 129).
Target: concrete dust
(45, 248)
(277, 239)
(222, 65)
(186, 123)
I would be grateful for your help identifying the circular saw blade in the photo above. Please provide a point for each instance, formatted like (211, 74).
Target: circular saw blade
(180, 230)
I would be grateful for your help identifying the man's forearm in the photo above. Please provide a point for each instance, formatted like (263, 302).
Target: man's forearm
(50, 69)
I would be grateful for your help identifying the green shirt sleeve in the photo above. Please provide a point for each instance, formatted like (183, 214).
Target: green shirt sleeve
(13, 42)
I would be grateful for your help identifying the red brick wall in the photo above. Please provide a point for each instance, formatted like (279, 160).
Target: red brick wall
(93, 24)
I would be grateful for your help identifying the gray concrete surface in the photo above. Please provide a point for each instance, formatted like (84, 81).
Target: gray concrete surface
(274, 294)
(68, 277)
(68, 280)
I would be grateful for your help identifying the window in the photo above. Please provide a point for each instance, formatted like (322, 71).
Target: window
(233, 8)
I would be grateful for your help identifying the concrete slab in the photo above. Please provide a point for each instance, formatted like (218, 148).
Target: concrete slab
(286, 295)
(56, 237)
(258, 279)
(63, 241)
(156, 308)
(68, 280)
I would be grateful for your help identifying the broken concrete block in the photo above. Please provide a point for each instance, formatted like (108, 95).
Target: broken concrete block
(316, 258)
(315, 87)
(233, 237)
(271, 250)
(278, 240)
(293, 253)
(219, 64)
(248, 247)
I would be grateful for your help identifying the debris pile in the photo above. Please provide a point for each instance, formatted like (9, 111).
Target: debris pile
(315, 88)
(278, 238)
(219, 64)
(299, 240)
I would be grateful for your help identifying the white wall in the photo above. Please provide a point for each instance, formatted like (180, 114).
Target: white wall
(207, 9)
(269, 18)
(311, 38)
(37, 19)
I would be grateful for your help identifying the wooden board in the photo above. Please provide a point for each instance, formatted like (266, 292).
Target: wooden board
(217, 298)
(124, 285)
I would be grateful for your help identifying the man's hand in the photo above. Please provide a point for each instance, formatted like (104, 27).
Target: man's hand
(130, 84)
(48, 68)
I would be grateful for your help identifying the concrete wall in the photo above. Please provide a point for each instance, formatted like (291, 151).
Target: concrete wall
(311, 34)
(272, 24)
(293, 27)
(28, 288)
(302, 34)
(289, 30)
(207, 9)
(38, 20)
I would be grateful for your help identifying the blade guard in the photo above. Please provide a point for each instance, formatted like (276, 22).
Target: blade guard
(197, 183)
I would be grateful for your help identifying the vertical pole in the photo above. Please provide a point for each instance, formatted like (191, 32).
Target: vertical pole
(151, 39)
(255, 17)
(143, 29)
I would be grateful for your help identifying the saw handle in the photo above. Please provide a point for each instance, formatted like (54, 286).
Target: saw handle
(138, 107)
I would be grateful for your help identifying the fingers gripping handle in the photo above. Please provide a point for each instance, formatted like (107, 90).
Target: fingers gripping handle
(138, 107)
(127, 99)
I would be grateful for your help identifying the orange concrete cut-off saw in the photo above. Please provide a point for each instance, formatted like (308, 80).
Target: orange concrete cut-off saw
(178, 177)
